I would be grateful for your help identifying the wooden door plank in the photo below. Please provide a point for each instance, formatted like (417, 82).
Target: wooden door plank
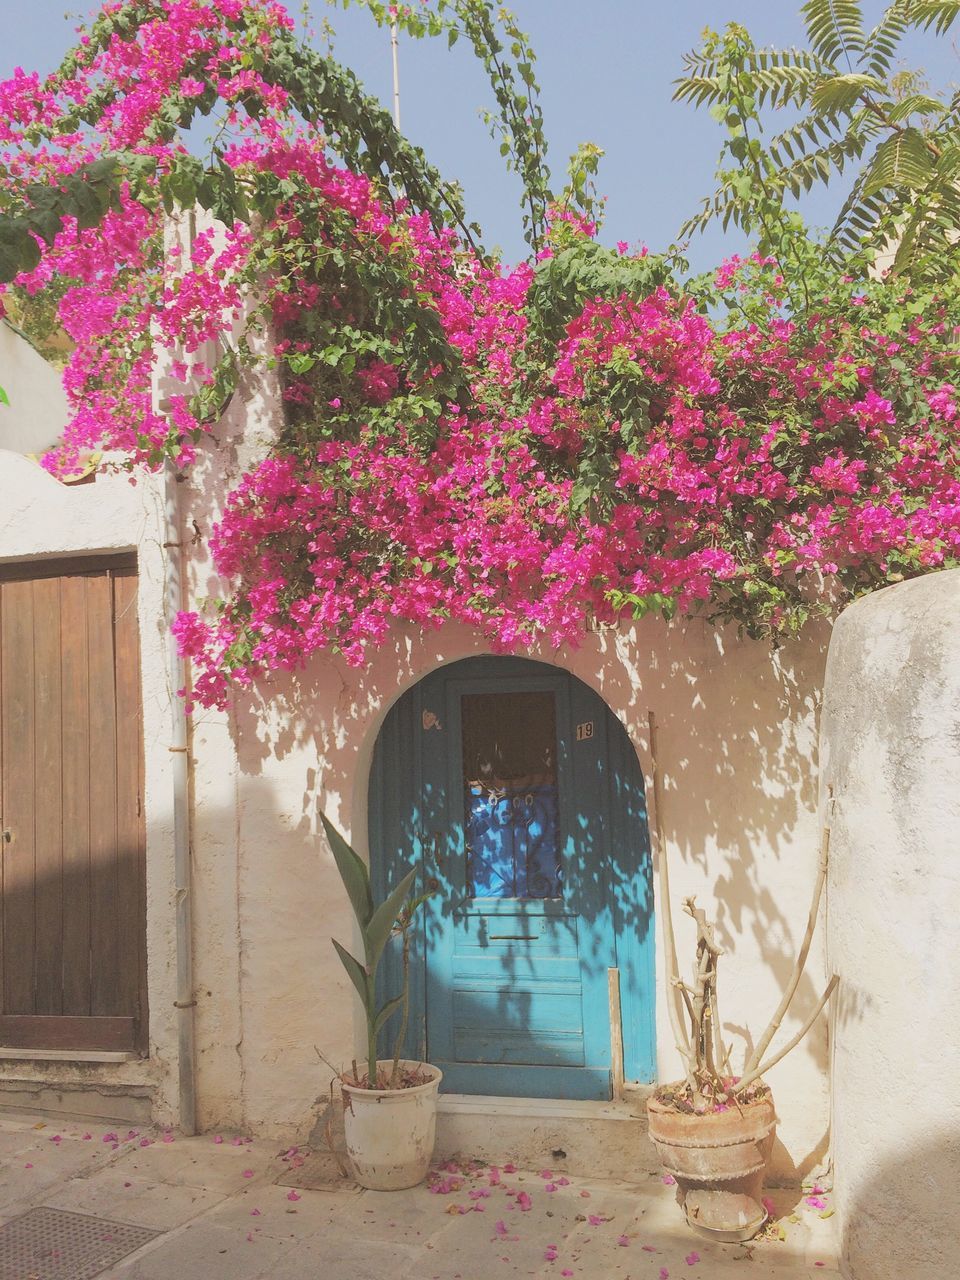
(48, 782)
(115, 1035)
(104, 941)
(130, 922)
(18, 848)
(75, 686)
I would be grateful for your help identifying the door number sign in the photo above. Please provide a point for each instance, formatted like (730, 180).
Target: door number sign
(584, 730)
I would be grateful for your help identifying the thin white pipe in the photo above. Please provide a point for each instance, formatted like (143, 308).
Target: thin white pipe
(396, 72)
(179, 748)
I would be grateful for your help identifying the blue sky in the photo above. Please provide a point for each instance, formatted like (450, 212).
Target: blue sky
(606, 69)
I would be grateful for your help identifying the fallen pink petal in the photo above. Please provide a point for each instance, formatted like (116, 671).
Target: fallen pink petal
(623, 1241)
(292, 1195)
(668, 1180)
(692, 1259)
(248, 1173)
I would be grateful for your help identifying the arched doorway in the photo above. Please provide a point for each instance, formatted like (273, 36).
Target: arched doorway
(518, 792)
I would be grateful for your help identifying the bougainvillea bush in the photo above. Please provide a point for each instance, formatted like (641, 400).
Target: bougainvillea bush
(526, 449)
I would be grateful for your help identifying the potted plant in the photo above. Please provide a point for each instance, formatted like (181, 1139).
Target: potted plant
(714, 1130)
(390, 1107)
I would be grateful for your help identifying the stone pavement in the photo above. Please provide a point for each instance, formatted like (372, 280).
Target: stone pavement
(223, 1216)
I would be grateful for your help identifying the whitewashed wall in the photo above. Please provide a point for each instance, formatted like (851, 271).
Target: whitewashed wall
(891, 746)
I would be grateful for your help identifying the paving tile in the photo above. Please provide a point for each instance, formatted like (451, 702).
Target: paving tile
(198, 1162)
(266, 1210)
(337, 1255)
(203, 1252)
(131, 1199)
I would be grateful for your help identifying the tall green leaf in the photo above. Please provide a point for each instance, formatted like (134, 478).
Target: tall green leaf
(377, 932)
(383, 1014)
(353, 873)
(358, 975)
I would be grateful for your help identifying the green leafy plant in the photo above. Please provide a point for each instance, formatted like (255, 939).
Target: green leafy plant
(377, 924)
(858, 111)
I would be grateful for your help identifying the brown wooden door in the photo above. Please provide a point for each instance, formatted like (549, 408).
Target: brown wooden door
(72, 865)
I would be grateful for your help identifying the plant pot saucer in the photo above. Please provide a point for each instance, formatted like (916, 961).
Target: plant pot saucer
(728, 1235)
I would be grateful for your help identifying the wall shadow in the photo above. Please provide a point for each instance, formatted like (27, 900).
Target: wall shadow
(900, 1224)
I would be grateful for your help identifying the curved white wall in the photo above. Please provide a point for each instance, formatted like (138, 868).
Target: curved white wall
(890, 749)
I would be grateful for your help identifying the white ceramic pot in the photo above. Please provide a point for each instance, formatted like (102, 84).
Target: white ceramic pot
(391, 1133)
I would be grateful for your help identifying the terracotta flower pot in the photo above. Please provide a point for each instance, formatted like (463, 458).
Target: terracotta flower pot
(718, 1160)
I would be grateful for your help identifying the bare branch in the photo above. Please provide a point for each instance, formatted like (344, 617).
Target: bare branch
(750, 1076)
(764, 1042)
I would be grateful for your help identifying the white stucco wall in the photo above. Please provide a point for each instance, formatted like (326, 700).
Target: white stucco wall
(37, 411)
(891, 754)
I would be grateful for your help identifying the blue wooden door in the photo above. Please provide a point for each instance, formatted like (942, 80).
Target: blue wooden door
(519, 794)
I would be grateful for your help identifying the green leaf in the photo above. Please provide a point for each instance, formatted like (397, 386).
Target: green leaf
(902, 162)
(353, 873)
(4, 398)
(383, 1014)
(355, 969)
(840, 93)
(377, 932)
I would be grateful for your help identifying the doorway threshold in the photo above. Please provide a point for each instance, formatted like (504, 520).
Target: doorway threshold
(589, 1139)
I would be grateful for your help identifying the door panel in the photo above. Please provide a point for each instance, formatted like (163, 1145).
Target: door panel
(497, 774)
(72, 855)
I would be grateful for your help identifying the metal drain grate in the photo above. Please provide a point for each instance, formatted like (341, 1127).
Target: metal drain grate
(50, 1244)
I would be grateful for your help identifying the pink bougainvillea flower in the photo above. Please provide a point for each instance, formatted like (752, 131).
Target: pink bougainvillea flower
(254, 1213)
(623, 1241)
(247, 1173)
(218, 1138)
(292, 1195)
(664, 1274)
(524, 1203)
(500, 1227)
(550, 1253)
(668, 1180)
(692, 1258)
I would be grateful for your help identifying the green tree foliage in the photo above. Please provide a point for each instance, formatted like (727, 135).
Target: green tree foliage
(856, 113)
